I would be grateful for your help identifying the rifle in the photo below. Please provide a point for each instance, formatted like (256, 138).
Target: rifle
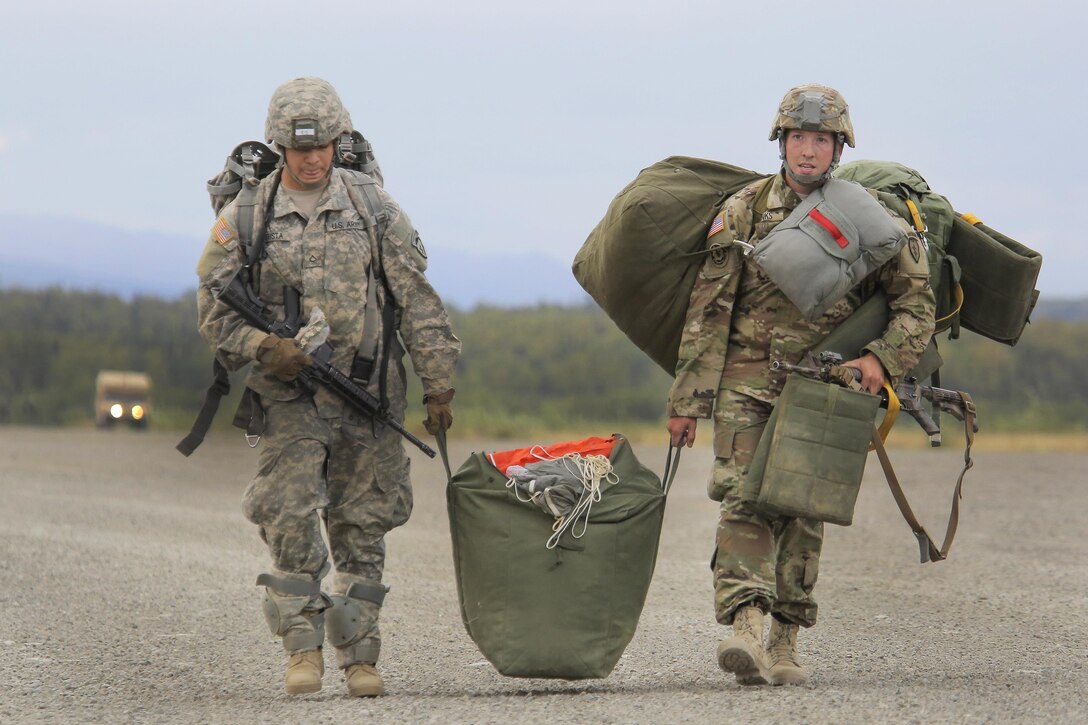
(827, 366)
(910, 393)
(242, 300)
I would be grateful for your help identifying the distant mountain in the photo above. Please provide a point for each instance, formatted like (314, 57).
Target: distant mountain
(38, 252)
(502, 280)
(43, 251)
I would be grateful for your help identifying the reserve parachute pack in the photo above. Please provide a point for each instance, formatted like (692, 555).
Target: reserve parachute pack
(836, 237)
(246, 165)
(640, 262)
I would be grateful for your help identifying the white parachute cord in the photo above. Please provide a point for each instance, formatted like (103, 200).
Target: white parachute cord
(591, 471)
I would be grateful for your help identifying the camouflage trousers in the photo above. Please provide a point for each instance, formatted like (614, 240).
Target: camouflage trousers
(318, 474)
(767, 561)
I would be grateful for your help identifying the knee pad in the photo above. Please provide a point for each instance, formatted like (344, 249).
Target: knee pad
(289, 611)
(353, 618)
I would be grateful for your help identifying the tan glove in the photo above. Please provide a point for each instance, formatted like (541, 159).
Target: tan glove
(439, 412)
(848, 377)
(282, 357)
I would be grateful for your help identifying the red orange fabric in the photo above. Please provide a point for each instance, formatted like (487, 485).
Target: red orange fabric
(520, 456)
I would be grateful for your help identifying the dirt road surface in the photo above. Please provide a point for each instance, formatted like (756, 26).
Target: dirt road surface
(126, 586)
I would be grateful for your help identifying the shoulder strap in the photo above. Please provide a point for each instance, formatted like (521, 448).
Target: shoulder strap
(220, 387)
(363, 191)
(378, 319)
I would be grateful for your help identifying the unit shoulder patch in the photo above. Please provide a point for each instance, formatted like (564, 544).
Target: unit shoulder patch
(914, 247)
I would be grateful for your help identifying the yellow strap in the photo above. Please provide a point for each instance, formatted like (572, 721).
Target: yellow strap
(971, 219)
(889, 417)
(914, 215)
(958, 294)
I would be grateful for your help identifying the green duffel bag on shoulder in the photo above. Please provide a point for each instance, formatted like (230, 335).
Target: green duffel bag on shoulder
(545, 598)
(639, 263)
(812, 453)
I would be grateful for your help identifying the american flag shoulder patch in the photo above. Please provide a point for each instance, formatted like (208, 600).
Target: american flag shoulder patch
(717, 225)
(222, 231)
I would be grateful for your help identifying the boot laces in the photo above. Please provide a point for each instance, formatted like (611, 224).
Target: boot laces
(749, 626)
(308, 657)
(782, 645)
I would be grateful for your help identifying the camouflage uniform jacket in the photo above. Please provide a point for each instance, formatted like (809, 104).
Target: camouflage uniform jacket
(738, 320)
(327, 260)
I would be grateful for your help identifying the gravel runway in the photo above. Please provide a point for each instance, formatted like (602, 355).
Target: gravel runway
(127, 589)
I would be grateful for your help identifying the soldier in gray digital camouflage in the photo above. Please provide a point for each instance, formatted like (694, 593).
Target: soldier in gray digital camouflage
(359, 267)
(738, 320)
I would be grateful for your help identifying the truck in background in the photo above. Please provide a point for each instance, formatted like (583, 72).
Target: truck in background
(122, 397)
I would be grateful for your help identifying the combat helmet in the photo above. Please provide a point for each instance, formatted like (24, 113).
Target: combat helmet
(813, 107)
(305, 113)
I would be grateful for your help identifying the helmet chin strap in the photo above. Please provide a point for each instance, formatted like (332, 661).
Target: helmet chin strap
(809, 179)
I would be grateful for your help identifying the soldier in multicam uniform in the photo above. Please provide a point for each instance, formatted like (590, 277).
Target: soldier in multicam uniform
(737, 322)
(322, 464)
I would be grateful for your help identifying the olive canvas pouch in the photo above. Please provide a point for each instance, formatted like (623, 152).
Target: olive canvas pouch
(811, 458)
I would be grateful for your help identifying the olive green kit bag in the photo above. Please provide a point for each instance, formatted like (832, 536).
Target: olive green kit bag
(639, 263)
(564, 612)
(811, 456)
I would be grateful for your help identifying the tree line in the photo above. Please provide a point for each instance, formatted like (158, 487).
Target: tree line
(526, 369)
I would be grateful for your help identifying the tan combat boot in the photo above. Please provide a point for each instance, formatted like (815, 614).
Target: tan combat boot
(304, 671)
(364, 681)
(785, 664)
(742, 654)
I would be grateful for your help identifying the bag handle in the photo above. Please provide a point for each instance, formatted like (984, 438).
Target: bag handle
(440, 438)
(672, 462)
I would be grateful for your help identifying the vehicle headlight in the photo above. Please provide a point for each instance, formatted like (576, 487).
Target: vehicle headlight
(116, 410)
(137, 412)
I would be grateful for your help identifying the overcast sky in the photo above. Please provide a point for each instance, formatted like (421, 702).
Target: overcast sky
(510, 126)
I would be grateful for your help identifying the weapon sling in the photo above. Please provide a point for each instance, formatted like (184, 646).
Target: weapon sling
(252, 249)
(927, 548)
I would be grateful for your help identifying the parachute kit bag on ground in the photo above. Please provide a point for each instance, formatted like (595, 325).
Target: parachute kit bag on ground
(542, 605)
(811, 456)
(639, 263)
